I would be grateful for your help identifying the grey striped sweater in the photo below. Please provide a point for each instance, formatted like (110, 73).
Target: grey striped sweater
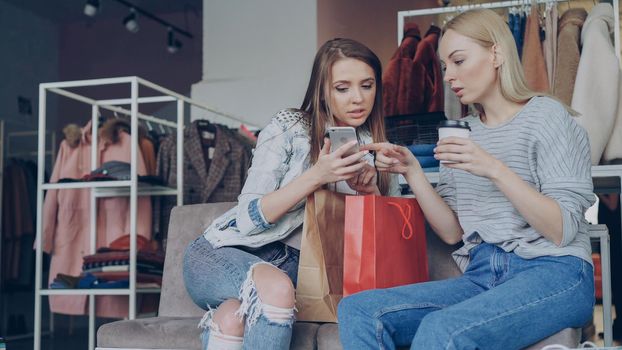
(548, 150)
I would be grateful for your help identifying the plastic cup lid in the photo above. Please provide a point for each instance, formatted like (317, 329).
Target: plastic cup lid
(454, 124)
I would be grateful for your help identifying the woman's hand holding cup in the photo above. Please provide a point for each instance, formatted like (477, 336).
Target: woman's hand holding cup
(464, 154)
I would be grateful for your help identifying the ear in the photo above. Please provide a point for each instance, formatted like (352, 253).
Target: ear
(497, 56)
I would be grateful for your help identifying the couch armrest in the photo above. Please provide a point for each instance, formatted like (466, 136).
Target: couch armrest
(187, 223)
(440, 263)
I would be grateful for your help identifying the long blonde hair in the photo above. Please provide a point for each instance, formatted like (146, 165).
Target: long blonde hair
(488, 29)
(316, 101)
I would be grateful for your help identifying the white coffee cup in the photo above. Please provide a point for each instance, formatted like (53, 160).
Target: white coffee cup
(457, 128)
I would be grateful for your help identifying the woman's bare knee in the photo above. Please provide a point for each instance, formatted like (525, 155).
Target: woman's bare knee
(228, 322)
(274, 287)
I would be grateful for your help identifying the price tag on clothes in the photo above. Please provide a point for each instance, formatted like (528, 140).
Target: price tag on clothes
(207, 135)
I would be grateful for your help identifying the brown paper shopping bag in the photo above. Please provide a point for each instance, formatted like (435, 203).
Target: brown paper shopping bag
(320, 270)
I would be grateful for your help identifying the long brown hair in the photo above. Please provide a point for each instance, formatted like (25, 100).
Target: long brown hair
(316, 102)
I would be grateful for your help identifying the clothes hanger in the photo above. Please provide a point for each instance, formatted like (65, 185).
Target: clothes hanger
(205, 125)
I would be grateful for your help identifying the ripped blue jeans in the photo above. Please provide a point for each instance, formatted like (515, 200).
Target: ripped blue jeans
(213, 275)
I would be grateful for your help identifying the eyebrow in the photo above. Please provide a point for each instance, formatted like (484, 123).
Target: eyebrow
(451, 54)
(370, 79)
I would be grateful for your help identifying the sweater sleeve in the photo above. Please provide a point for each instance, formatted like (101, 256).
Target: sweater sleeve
(564, 169)
(446, 187)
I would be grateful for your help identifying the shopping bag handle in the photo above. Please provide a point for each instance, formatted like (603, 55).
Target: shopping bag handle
(406, 217)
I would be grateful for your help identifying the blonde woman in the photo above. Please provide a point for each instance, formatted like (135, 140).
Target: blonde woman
(515, 195)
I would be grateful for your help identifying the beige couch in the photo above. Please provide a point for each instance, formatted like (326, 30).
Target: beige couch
(176, 325)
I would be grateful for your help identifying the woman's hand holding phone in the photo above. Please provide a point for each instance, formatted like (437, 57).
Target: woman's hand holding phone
(335, 166)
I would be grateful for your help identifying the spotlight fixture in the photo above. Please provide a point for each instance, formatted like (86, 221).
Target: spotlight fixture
(91, 8)
(130, 22)
(173, 45)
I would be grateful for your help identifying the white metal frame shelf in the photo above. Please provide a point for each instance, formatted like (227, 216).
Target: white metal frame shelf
(131, 188)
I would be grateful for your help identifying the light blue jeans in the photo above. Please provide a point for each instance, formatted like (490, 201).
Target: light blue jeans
(213, 275)
(501, 302)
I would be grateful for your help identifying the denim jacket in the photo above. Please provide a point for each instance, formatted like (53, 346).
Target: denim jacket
(281, 155)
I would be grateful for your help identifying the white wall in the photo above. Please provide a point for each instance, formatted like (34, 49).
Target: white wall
(257, 56)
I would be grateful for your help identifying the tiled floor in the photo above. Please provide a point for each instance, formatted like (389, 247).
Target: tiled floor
(598, 322)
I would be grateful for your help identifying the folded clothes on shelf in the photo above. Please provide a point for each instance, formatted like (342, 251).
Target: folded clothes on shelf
(115, 171)
(431, 170)
(428, 161)
(63, 281)
(91, 281)
(422, 149)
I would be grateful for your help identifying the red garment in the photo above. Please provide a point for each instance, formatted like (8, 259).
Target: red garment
(432, 85)
(533, 56)
(399, 95)
(66, 220)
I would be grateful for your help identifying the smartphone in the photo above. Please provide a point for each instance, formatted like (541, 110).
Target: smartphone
(339, 136)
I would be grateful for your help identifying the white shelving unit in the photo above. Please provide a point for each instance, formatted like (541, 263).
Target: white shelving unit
(129, 188)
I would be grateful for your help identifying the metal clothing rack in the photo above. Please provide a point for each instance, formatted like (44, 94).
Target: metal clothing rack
(5, 153)
(401, 15)
(109, 188)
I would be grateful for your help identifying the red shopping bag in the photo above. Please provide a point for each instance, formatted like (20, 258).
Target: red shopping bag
(384, 243)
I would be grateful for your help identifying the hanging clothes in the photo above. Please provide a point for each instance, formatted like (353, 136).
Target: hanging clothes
(597, 89)
(533, 57)
(426, 56)
(522, 27)
(568, 53)
(514, 22)
(399, 95)
(147, 149)
(221, 181)
(18, 224)
(66, 220)
(110, 130)
(549, 45)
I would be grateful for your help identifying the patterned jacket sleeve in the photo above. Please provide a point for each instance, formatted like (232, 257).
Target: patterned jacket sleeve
(268, 167)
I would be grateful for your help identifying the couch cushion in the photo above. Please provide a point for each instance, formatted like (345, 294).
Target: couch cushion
(187, 223)
(151, 333)
(178, 333)
(440, 263)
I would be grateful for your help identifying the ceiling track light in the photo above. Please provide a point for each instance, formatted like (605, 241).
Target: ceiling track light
(130, 21)
(172, 45)
(91, 8)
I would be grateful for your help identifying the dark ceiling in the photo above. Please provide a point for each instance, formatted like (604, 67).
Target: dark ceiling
(63, 11)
